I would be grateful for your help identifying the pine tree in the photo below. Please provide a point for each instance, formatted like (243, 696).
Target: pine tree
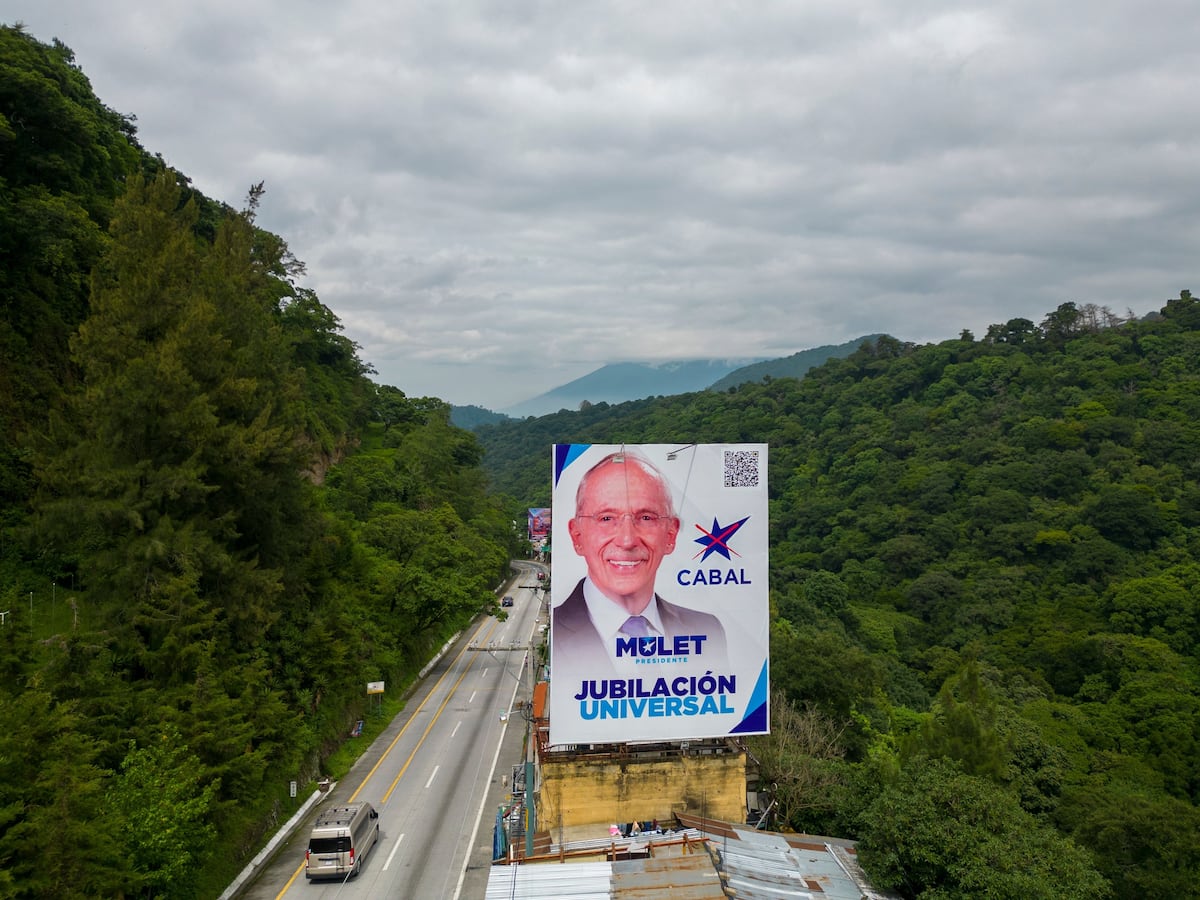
(183, 456)
(177, 471)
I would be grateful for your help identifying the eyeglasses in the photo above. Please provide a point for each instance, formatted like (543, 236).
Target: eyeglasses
(641, 521)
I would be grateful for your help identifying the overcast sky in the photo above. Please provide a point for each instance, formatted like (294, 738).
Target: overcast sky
(498, 197)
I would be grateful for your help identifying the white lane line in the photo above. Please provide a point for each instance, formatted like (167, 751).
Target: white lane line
(483, 798)
(392, 855)
(432, 775)
(457, 725)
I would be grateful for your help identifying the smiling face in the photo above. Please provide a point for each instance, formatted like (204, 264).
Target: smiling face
(623, 527)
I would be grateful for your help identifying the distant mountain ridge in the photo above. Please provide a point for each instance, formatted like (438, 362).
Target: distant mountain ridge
(794, 366)
(621, 382)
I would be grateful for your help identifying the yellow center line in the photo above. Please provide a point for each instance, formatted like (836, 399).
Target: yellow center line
(428, 696)
(491, 625)
(425, 734)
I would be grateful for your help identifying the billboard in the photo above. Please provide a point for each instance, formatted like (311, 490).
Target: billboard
(539, 523)
(659, 619)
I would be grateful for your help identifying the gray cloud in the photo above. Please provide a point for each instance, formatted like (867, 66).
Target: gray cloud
(496, 198)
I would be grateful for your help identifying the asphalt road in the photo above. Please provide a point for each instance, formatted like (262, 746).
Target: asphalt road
(436, 775)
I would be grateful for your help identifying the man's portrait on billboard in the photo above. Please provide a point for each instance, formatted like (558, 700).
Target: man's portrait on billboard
(623, 526)
(658, 620)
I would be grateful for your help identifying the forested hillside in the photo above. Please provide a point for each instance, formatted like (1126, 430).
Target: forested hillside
(214, 528)
(794, 366)
(986, 612)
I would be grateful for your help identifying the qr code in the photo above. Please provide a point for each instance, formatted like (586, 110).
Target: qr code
(741, 468)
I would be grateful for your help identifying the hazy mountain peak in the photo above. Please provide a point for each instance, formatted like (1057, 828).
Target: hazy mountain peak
(619, 382)
(624, 381)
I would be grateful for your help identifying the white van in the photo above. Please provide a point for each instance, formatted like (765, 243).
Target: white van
(340, 838)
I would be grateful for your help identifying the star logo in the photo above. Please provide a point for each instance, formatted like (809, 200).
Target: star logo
(717, 540)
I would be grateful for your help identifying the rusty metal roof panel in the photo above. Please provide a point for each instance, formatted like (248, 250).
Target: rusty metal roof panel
(690, 877)
(760, 865)
(750, 865)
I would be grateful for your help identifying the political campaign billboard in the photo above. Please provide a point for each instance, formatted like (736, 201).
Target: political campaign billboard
(659, 617)
(539, 523)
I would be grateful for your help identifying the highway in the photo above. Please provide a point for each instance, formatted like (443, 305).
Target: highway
(435, 774)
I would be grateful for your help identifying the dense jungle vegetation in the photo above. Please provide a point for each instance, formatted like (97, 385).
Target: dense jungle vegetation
(214, 527)
(985, 607)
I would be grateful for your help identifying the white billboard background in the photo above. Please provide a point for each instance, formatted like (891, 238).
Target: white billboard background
(669, 697)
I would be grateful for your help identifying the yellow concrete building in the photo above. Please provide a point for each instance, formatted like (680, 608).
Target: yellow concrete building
(578, 788)
(623, 784)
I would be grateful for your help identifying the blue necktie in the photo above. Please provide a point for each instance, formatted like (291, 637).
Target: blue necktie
(636, 626)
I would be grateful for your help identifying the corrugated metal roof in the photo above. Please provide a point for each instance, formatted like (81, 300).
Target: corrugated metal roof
(762, 865)
(689, 877)
(738, 861)
(551, 881)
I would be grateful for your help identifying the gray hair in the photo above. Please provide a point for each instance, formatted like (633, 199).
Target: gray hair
(626, 457)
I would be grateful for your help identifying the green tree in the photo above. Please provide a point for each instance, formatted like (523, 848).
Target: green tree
(962, 727)
(1061, 324)
(177, 470)
(1146, 845)
(176, 474)
(1184, 310)
(1128, 516)
(63, 158)
(55, 840)
(1158, 606)
(939, 833)
(826, 591)
(392, 407)
(162, 800)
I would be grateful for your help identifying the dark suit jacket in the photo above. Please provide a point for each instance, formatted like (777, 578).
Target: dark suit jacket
(576, 643)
